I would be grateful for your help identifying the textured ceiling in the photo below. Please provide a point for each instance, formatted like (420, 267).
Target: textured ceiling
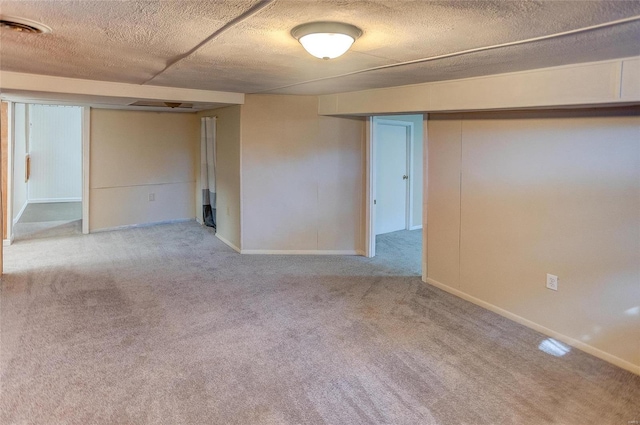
(134, 41)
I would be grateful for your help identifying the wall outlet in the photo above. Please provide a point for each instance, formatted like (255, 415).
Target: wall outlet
(227, 210)
(552, 282)
(152, 197)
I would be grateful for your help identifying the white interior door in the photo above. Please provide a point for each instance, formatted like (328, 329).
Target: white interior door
(391, 178)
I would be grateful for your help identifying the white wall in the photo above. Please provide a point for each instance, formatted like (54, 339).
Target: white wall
(134, 154)
(301, 177)
(416, 176)
(513, 196)
(55, 147)
(20, 151)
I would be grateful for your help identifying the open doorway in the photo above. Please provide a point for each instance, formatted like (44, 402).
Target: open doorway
(396, 190)
(47, 172)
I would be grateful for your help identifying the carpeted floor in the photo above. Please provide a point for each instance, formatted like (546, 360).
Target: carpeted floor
(401, 250)
(46, 220)
(166, 325)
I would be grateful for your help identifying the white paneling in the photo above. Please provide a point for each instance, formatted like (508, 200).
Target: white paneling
(55, 148)
(20, 151)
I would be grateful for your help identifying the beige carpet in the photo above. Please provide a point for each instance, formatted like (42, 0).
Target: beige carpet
(166, 325)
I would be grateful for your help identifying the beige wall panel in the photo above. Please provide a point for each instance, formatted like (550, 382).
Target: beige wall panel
(630, 89)
(301, 176)
(279, 186)
(227, 173)
(126, 206)
(559, 196)
(339, 176)
(134, 154)
(137, 148)
(443, 253)
(547, 192)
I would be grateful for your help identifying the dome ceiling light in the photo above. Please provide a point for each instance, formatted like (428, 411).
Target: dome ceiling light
(23, 25)
(326, 40)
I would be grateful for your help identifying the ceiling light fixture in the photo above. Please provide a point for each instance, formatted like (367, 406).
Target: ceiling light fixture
(23, 25)
(326, 40)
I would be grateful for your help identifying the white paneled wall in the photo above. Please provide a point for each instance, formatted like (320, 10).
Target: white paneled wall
(55, 147)
(19, 164)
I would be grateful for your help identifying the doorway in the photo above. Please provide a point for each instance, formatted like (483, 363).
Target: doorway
(395, 191)
(46, 195)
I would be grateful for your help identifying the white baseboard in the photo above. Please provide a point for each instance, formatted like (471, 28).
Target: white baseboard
(544, 330)
(298, 252)
(229, 244)
(7, 242)
(52, 200)
(24, 207)
(419, 226)
(133, 226)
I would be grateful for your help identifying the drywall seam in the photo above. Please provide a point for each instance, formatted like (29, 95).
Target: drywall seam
(539, 328)
(142, 184)
(232, 23)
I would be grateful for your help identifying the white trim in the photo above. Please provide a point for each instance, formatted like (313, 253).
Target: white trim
(425, 191)
(544, 330)
(370, 242)
(86, 162)
(15, 220)
(299, 252)
(53, 200)
(419, 226)
(229, 244)
(10, 170)
(135, 226)
(7, 242)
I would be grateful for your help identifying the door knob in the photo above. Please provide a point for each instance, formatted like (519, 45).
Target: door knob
(405, 177)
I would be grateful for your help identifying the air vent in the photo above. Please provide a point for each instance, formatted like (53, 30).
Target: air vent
(172, 105)
(23, 25)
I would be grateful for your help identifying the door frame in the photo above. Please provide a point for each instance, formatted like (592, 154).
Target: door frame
(371, 173)
(86, 145)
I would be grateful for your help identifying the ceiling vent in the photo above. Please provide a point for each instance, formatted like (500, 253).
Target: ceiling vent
(23, 25)
(172, 105)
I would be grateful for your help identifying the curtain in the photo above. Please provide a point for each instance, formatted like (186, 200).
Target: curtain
(208, 169)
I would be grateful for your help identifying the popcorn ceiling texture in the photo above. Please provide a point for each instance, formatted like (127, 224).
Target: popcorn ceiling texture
(131, 41)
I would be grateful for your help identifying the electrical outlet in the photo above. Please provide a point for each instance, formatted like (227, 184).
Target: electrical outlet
(227, 210)
(152, 197)
(552, 282)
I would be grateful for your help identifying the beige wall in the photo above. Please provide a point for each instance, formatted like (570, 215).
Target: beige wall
(227, 173)
(134, 154)
(301, 177)
(513, 196)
